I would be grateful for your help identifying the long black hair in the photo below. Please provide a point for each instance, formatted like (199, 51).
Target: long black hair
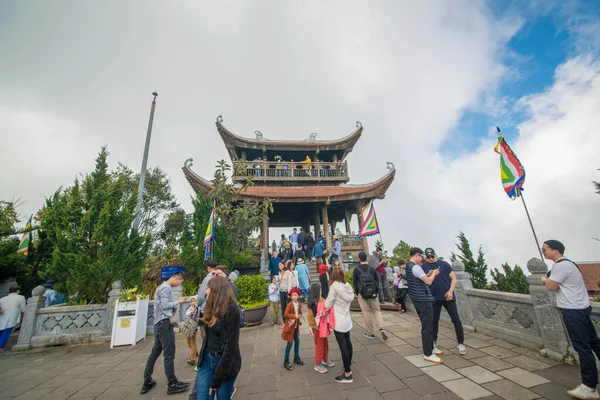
(314, 294)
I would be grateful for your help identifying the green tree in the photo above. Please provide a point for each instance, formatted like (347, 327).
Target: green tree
(88, 227)
(158, 202)
(11, 263)
(173, 228)
(513, 280)
(400, 252)
(477, 268)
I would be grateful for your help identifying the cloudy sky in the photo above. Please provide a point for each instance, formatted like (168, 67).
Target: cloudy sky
(428, 80)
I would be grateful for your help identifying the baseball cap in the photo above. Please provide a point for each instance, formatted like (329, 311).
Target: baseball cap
(429, 252)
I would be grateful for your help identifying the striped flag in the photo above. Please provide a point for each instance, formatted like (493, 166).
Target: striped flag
(25, 238)
(370, 227)
(512, 172)
(210, 235)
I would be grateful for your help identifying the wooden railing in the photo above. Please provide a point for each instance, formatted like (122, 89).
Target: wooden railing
(271, 170)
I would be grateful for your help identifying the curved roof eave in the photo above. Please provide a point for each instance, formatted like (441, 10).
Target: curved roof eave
(293, 194)
(232, 140)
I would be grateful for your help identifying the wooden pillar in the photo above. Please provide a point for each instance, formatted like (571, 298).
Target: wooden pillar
(244, 156)
(265, 235)
(347, 221)
(326, 225)
(333, 224)
(306, 224)
(316, 221)
(363, 242)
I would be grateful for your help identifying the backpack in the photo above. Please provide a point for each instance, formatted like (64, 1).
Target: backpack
(368, 286)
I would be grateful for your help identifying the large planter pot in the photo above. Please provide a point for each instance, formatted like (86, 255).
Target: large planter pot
(255, 316)
(354, 306)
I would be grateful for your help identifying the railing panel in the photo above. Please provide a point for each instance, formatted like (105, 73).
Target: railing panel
(291, 170)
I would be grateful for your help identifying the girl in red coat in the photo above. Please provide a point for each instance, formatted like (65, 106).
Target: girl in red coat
(292, 315)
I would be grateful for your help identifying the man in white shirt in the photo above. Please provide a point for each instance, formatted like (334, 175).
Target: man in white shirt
(572, 300)
(12, 308)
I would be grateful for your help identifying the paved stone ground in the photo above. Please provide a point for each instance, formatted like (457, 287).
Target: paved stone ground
(492, 369)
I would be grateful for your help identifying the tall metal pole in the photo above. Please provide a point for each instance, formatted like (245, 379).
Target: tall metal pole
(138, 210)
(533, 230)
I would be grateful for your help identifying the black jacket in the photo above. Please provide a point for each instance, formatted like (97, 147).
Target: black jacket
(231, 359)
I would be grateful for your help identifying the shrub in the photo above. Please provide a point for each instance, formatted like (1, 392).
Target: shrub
(243, 259)
(131, 295)
(252, 291)
(349, 276)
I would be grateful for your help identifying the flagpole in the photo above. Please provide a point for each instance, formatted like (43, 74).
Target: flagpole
(537, 243)
(138, 210)
(212, 251)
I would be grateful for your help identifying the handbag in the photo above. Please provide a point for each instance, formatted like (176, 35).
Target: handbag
(174, 320)
(189, 327)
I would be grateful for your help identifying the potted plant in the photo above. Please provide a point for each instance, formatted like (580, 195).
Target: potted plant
(252, 297)
(349, 275)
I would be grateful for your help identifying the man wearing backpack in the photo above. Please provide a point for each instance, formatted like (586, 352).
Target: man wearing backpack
(572, 300)
(367, 289)
(420, 294)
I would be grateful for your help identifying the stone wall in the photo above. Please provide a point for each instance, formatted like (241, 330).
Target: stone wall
(529, 320)
(60, 325)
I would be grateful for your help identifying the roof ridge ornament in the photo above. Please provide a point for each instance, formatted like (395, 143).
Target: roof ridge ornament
(219, 118)
(312, 137)
(390, 165)
(358, 124)
(188, 163)
(259, 136)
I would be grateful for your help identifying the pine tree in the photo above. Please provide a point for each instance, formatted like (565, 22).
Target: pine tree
(476, 268)
(88, 226)
(513, 280)
(400, 252)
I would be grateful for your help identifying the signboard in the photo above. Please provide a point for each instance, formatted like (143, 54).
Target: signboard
(167, 272)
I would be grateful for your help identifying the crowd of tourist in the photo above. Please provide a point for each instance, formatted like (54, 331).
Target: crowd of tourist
(324, 307)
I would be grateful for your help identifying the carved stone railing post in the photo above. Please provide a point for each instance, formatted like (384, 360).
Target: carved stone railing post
(113, 295)
(34, 303)
(463, 284)
(554, 337)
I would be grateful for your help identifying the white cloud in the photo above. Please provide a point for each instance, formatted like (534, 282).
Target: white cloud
(79, 75)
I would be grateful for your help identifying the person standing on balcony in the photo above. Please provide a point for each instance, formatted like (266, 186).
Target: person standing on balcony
(572, 300)
(308, 165)
(257, 166)
(442, 290)
(294, 240)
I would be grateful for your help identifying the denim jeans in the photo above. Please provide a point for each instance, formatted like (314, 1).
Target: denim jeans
(288, 347)
(4, 335)
(585, 342)
(164, 341)
(425, 312)
(206, 370)
(450, 307)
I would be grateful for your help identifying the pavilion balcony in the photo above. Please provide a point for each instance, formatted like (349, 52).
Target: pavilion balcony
(291, 171)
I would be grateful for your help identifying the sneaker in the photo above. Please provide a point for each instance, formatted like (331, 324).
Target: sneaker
(287, 365)
(177, 387)
(147, 386)
(344, 379)
(369, 335)
(233, 392)
(433, 358)
(320, 368)
(584, 392)
(329, 363)
(437, 351)
(462, 349)
(299, 361)
(383, 334)
(196, 368)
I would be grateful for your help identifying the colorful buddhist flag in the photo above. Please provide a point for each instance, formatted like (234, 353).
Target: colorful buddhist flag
(370, 226)
(512, 172)
(25, 238)
(210, 235)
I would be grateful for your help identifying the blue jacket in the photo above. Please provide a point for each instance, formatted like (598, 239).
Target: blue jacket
(274, 265)
(317, 250)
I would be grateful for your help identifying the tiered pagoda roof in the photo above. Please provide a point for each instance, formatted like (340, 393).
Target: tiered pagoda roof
(322, 181)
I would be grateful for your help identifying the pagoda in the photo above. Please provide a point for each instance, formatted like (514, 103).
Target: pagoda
(307, 180)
